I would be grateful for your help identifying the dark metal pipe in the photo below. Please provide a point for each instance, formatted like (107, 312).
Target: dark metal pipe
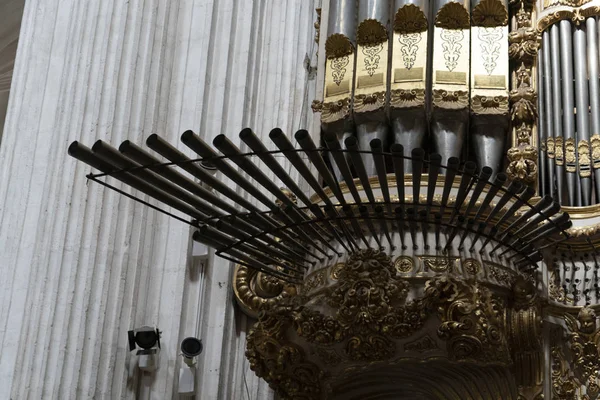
(438, 227)
(418, 156)
(411, 218)
(512, 190)
(498, 183)
(142, 157)
(468, 175)
(453, 232)
(364, 213)
(490, 236)
(83, 153)
(384, 225)
(340, 159)
(525, 240)
(536, 209)
(480, 231)
(451, 170)
(379, 160)
(359, 166)
(398, 161)
(424, 227)
(332, 212)
(399, 211)
(306, 143)
(355, 225)
(467, 230)
(435, 161)
(484, 175)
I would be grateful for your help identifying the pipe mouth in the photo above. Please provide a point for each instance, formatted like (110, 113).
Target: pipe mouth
(302, 134)
(375, 143)
(351, 141)
(187, 135)
(152, 139)
(275, 133)
(245, 133)
(73, 148)
(418, 153)
(219, 140)
(501, 177)
(125, 146)
(330, 137)
(98, 145)
(487, 171)
(396, 148)
(435, 158)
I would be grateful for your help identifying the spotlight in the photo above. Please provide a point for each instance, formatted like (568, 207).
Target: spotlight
(190, 347)
(148, 340)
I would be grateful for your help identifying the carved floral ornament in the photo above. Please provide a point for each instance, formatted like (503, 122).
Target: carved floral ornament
(489, 105)
(338, 45)
(452, 15)
(371, 32)
(451, 100)
(489, 13)
(576, 15)
(367, 316)
(407, 98)
(410, 19)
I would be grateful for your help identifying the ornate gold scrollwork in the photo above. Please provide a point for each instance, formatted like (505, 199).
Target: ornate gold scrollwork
(559, 150)
(369, 102)
(410, 19)
(576, 15)
(550, 147)
(584, 162)
(452, 15)
(407, 98)
(472, 266)
(489, 13)
(335, 111)
(570, 158)
(338, 45)
(489, 105)
(317, 25)
(523, 163)
(404, 264)
(595, 141)
(450, 100)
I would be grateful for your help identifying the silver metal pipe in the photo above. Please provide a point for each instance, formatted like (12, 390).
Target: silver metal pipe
(546, 66)
(542, 129)
(488, 139)
(422, 4)
(340, 138)
(342, 18)
(568, 102)
(374, 9)
(449, 134)
(557, 114)
(582, 104)
(409, 128)
(365, 133)
(594, 89)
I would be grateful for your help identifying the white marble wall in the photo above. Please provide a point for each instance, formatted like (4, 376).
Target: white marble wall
(81, 265)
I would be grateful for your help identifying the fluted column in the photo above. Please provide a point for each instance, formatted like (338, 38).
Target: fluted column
(82, 265)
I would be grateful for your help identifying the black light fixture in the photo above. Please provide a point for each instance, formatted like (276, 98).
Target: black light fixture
(191, 347)
(145, 337)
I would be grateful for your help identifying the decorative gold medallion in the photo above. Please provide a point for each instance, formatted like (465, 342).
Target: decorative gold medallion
(404, 264)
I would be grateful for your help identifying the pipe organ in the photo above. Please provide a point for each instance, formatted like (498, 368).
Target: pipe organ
(419, 73)
(569, 101)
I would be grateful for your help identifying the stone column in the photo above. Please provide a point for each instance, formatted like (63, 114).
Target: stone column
(82, 265)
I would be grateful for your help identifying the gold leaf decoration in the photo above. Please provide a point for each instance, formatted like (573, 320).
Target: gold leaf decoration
(452, 15)
(369, 102)
(570, 158)
(489, 105)
(338, 45)
(371, 32)
(583, 152)
(595, 141)
(407, 98)
(522, 163)
(335, 111)
(489, 13)
(410, 19)
(404, 264)
(550, 147)
(450, 100)
(559, 150)
(472, 266)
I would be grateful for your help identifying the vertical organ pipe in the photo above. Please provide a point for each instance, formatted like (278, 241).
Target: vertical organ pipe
(566, 63)
(559, 157)
(594, 91)
(582, 103)
(549, 120)
(542, 129)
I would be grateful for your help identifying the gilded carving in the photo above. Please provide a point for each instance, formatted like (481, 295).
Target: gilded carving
(452, 16)
(489, 105)
(522, 163)
(317, 25)
(334, 111)
(584, 162)
(570, 159)
(410, 19)
(335, 271)
(489, 13)
(369, 102)
(438, 264)
(338, 68)
(316, 106)
(371, 32)
(490, 46)
(523, 134)
(338, 45)
(314, 281)
(472, 266)
(404, 264)
(409, 48)
(550, 147)
(451, 100)
(559, 150)
(407, 98)
(421, 345)
(255, 291)
(523, 107)
(451, 46)
(595, 142)
(584, 343)
(555, 291)
(568, 3)
(471, 323)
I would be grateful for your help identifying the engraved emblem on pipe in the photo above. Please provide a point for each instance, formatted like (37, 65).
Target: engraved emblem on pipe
(559, 150)
(372, 57)
(338, 69)
(583, 150)
(490, 46)
(595, 140)
(570, 160)
(452, 45)
(409, 47)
